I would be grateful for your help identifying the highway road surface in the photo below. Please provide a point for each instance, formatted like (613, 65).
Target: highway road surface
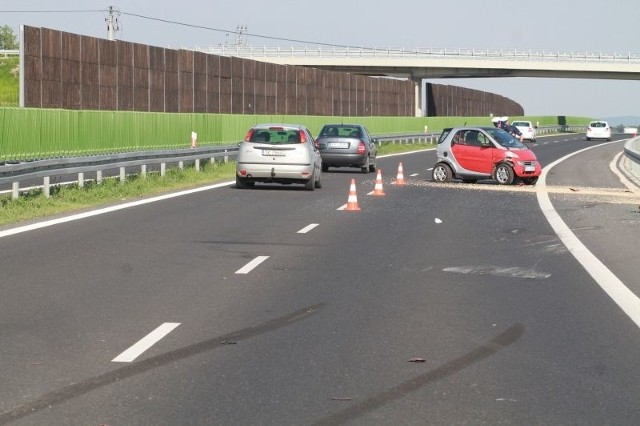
(434, 304)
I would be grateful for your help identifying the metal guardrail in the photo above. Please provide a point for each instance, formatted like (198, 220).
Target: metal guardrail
(20, 172)
(419, 53)
(632, 152)
(6, 53)
(432, 137)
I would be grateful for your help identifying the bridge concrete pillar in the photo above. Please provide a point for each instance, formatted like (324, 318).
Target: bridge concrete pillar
(417, 87)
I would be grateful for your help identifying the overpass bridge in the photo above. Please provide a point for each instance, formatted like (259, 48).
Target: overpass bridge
(419, 64)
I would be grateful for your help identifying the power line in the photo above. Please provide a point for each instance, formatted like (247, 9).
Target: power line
(184, 24)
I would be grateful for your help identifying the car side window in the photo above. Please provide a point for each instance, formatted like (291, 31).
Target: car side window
(471, 138)
(482, 138)
(458, 138)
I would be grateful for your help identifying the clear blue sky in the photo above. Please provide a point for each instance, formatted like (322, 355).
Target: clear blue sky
(552, 25)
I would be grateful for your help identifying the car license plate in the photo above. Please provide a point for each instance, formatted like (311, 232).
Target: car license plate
(529, 168)
(273, 153)
(338, 144)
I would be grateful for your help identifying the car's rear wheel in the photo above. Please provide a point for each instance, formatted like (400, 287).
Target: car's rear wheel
(310, 185)
(441, 173)
(372, 167)
(241, 183)
(365, 168)
(503, 174)
(319, 181)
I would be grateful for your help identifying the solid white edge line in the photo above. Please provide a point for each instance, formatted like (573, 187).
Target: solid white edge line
(251, 265)
(98, 212)
(146, 342)
(621, 295)
(307, 228)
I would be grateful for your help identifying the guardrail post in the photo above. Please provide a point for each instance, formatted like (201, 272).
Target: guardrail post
(80, 180)
(46, 186)
(123, 176)
(163, 169)
(99, 177)
(143, 170)
(197, 165)
(181, 165)
(15, 190)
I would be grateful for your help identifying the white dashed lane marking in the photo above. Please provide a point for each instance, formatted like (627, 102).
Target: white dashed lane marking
(146, 342)
(307, 228)
(251, 265)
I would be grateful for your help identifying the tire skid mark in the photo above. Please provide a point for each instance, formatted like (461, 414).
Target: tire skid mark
(492, 347)
(74, 390)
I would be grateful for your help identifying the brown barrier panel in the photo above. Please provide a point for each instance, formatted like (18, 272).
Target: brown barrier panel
(108, 74)
(171, 81)
(185, 67)
(70, 71)
(225, 85)
(156, 79)
(213, 84)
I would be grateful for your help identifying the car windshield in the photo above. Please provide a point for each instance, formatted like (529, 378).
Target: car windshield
(505, 139)
(343, 131)
(275, 136)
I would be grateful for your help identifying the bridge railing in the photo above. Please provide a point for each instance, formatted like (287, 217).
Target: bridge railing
(419, 53)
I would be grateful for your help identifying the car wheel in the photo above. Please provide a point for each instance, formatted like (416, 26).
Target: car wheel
(441, 173)
(530, 181)
(588, 139)
(241, 183)
(372, 167)
(365, 168)
(503, 174)
(310, 185)
(319, 181)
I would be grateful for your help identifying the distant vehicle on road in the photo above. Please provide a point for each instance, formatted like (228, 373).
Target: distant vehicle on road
(474, 153)
(347, 145)
(527, 130)
(279, 153)
(598, 130)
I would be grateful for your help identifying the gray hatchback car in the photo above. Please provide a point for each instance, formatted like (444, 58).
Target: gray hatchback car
(347, 145)
(279, 153)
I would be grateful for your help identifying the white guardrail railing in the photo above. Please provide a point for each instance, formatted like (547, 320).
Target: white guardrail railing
(420, 53)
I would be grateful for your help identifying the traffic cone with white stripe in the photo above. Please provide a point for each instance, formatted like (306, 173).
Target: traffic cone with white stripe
(400, 178)
(352, 202)
(377, 190)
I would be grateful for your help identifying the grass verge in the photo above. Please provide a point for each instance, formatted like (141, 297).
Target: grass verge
(32, 205)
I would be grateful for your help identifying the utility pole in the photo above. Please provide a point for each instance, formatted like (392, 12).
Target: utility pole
(112, 23)
(241, 31)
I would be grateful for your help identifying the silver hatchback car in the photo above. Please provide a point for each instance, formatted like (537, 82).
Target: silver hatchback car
(279, 153)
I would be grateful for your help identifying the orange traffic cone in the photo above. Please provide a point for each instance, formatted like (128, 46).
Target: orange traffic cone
(377, 190)
(400, 178)
(352, 202)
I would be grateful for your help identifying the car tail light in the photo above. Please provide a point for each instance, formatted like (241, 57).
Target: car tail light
(303, 137)
(248, 136)
(361, 148)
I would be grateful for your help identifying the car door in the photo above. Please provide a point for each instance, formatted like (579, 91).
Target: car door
(473, 151)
